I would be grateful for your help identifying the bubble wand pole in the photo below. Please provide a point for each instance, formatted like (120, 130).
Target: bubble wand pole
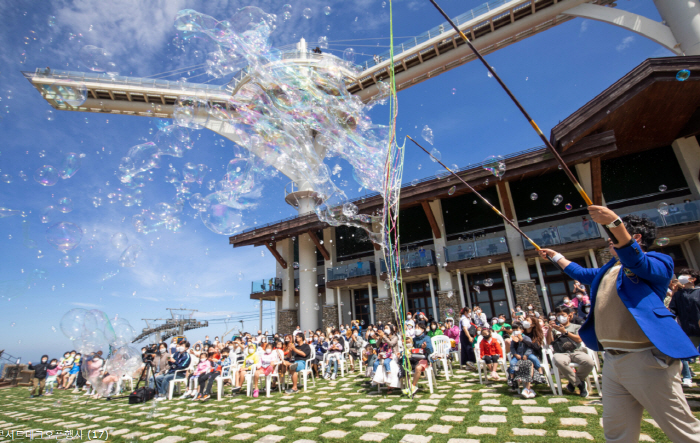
(537, 129)
(495, 209)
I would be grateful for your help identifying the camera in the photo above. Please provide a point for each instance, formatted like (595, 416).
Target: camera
(150, 354)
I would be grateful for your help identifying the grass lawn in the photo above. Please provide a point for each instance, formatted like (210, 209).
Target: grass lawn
(459, 409)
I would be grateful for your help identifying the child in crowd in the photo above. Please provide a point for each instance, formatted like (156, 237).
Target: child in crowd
(207, 379)
(321, 346)
(385, 357)
(490, 351)
(334, 353)
(65, 365)
(251, 362)
(268, 361)
(73, 372)
(203, 367)
(52, 372)
(39, 380)
(369, 356)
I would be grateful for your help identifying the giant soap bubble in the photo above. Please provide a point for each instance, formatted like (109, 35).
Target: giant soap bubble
(64, 236)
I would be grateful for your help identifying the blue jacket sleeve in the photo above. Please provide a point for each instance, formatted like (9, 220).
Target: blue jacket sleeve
(651, 267)
(578, 272)
(183, 361)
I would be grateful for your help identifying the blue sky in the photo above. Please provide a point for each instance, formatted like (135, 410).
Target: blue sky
(552, 73)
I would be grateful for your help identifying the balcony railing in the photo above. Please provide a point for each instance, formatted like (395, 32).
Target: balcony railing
(678, 213)
(557, 235)
(415, 259)
(474, 248)
(262, 286)
(351, 270)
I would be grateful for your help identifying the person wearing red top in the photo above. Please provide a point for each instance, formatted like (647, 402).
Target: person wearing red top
(490, 351)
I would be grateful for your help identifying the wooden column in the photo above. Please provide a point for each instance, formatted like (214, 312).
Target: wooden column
(278, 257)
(505, 201)
(596, 178)
(431, 219)
(322, 249)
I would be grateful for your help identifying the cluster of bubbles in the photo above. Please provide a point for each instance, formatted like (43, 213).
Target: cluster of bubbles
(48, 175)
(104, 343)
(285, 116)
(495, 164)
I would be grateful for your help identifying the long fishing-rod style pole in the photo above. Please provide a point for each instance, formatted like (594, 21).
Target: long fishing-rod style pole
(537, 129)
(495, 209)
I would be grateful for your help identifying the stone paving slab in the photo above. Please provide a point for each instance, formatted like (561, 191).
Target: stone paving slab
(533, 419)
(335, 434)
(439, 429)
(574, 434)
(373, 436)
(478, 430)
(526, 432)
(242, 436)
(409, 438)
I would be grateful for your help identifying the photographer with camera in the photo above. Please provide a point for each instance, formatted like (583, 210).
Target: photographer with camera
(177, 362)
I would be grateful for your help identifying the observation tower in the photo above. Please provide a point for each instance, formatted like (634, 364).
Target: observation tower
(491, 26)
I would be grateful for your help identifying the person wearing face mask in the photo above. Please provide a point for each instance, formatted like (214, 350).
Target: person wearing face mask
(490, 352)
(39, 379)
(356, 344)
(467, 333)
(420, 354)
(563, 335)
(178, 361)
(302, 352)
(409, 320)
(452, 331)
(51, 374)
(500, 324)
(567, 302)
(321, 347)
(251, 363)
(202, 367)
(685, 305)
(434, 330)
(642, 341)
(161, 361)
(479, 318)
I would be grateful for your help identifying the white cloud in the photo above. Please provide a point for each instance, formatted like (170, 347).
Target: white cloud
(584, 27)
(626, 43)
(86, 305)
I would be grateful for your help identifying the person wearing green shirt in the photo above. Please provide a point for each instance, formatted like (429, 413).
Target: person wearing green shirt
(434, 329)
(498, 327)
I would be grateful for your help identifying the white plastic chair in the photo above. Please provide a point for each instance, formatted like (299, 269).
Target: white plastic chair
(249, 373)
(123, 380)
(361, 353)
(307, 370)
(442, 346)
(544, 363)
(594, 371)
(176, 380)
(480, 363)
(268, 378)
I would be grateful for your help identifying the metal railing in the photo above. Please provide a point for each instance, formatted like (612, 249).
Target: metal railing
(440, 29)
(351, 270)
(678, 213)
(415, 259)
(262, 286)
(557, 235)
(476, 247)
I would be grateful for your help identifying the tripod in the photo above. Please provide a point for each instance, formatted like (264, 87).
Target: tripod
(148, 369)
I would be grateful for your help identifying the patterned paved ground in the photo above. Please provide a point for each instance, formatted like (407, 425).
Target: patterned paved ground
(460, 411)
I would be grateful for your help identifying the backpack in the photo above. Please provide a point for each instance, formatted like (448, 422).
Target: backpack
(142, 395)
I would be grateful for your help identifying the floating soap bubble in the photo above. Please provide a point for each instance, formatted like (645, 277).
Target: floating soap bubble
(191, 112)
(427, 134)
(306, 13)
(683, 75)
(414, 182)
(70, 93)
(221, 216)
(349, 55)
(350, 209)
(52, 20)
(662, 208)
(452, 190)
(557, 200)
(68, 261)
(533, 196)
(129, 256)
(502, 239)
(568, 206)
(194, 173)
(97, 59)
(495, 165)
(327, 10)
(70, 165)
(65, 205)
(46, 175)
(287, 11)
(477, 289)
(323, 42)
(6, 178)
(662, 241)
(96, 201)
(662, 188)
(488, 282)
(529, 220)
(49, 115)
(46, 214)
(119, 241)
(436, 155)
(64, 236)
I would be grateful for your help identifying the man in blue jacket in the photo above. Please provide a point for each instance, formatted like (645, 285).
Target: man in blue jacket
(642, 342)
(179, 361)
